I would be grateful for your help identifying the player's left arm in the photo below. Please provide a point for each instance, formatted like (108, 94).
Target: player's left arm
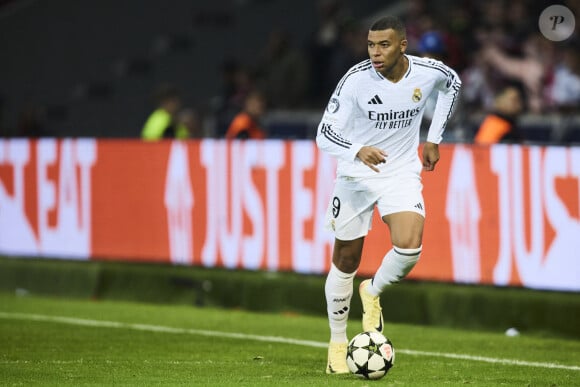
(448, 86)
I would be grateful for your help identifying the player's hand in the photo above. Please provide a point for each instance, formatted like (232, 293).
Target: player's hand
(430, 156)
(371, 156)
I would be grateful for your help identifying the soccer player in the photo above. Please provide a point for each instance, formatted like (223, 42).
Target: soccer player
(371, 125)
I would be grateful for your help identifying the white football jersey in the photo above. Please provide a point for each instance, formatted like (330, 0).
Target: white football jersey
(367, 109)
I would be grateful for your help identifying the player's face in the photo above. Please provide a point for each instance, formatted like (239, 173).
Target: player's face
(386, 48)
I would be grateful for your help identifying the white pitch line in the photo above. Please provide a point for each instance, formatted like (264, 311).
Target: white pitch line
(490, 359)
(270, 339)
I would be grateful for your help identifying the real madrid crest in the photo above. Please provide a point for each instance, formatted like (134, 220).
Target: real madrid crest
(417, 95)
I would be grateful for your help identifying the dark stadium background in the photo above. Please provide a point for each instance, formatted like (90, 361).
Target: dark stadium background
(92, 66)
(71, 68)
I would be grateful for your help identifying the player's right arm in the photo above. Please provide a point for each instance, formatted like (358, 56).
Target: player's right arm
(337, 116)
(371, 156)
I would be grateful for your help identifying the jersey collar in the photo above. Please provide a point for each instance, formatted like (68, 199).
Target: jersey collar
(410, 65)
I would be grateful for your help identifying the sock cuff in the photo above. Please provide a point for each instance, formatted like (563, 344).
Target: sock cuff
(336, 271)
(408, 252)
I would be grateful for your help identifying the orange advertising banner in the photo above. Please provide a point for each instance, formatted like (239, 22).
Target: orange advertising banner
(502, 215)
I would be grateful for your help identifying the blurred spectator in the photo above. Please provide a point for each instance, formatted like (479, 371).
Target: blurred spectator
(534, 69)
(162, 123)
(493, 46)
(565, 93)
(417, 20)
(246, 124)
(441, 45)
(283, 72)
(501, 124)
(236, 83)
(480, 84)
(190, 119)
(432, 45)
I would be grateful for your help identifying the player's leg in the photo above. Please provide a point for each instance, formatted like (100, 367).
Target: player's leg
(338, 291)
(350, 216)
(406, 230)
(402, 208)
(339, 285)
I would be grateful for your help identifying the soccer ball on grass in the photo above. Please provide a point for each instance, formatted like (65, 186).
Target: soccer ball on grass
(370, 355)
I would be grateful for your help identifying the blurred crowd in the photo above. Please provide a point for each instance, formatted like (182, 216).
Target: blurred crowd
(495, 46)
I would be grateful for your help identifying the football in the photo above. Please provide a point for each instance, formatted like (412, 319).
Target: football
(370, 355)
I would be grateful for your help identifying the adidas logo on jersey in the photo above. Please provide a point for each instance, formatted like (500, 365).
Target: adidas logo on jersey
(419, 206)
(376, 100)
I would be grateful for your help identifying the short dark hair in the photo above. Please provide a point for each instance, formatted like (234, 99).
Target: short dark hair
(390, 22)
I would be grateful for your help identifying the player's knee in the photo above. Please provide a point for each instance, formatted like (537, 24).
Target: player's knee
(409, 242)
(347, 263)
(346, 260)
(347, 255)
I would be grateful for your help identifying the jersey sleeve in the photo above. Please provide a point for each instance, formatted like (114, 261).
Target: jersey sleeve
(448, 86)
(337, 117)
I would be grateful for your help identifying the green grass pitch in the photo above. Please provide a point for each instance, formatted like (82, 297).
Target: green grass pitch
(55, 341)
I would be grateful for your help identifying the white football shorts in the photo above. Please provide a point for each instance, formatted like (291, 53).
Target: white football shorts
(350, 211)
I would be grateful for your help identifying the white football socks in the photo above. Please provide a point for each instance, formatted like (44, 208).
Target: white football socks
(396, 264)
(338, 291)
